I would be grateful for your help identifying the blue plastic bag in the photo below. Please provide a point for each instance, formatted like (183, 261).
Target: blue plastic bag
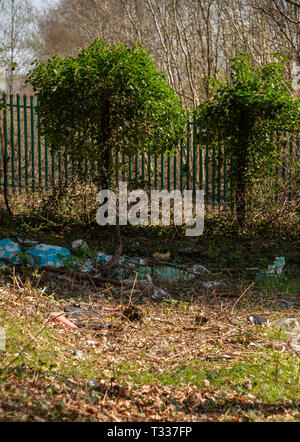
(9, 253)
(47, 255)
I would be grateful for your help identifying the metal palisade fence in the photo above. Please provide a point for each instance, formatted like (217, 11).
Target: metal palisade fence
(31, 166)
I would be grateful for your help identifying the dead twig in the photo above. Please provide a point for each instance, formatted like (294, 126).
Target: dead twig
(242, 297)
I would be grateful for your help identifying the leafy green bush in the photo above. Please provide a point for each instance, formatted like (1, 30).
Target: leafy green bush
(104, 100)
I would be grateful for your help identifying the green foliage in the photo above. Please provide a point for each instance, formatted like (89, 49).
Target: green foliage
(106, 99)
(242, 116)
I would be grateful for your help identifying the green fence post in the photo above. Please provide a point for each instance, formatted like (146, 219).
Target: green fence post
(5, 141)
(213, 175)
(169, 173)
(149, 171)
(291, 162)
(53, 168)
(19, 142)
(39, 147)
(67, 168)
(225, 178)
(188, 157)
(200, 169)
(175, 171)
(123, 156)
(283, 160)
(130, 170)
(207, 194)
(162, 171)
(26, 141)
(277, 169)
(123, 167)
(194, 155)
(181, 167)
(155, 172)
(143, 169)
(111, 178)
(32, 143)
(136, 169)
(12, 141)
(117, 168)
(59, 168)
(219, 176)
(46, 165)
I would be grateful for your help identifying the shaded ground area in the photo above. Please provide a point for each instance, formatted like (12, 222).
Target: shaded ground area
(190, 356)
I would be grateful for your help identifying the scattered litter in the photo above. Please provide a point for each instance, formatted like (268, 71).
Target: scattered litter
(162, 256)
(199, 269)
(131, 292)
(93, 384)
(160, 294)
(59, 317)
(103, 258)
(47, 255)
(78, 354)
(87, 266)
(226, 357)
(130, 266)
(287, 323)
(295, 343)
(255, 345)
(79, 244)
(141, 284)
(289, 304)
(172, 273)
(81, 317)
(169, 272)
(256, 320)
(209, 286)
(27, 242)
(9, 252)
(273, 270)
(77, 313)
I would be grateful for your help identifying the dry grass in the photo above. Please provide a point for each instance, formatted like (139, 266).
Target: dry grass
(168, 366)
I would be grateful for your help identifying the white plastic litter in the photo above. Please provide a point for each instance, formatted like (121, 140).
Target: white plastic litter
(287, 323)
(198, 269)
(274, 270)
(79, 244)
(277, 267)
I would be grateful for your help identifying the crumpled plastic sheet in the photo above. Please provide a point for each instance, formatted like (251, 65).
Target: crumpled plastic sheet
(274, 270)
(47, 255)
(9, 252)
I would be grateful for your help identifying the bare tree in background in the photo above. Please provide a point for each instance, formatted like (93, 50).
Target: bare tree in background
(188, 39)
(183, 36)
(17, 24)
(283, 17)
